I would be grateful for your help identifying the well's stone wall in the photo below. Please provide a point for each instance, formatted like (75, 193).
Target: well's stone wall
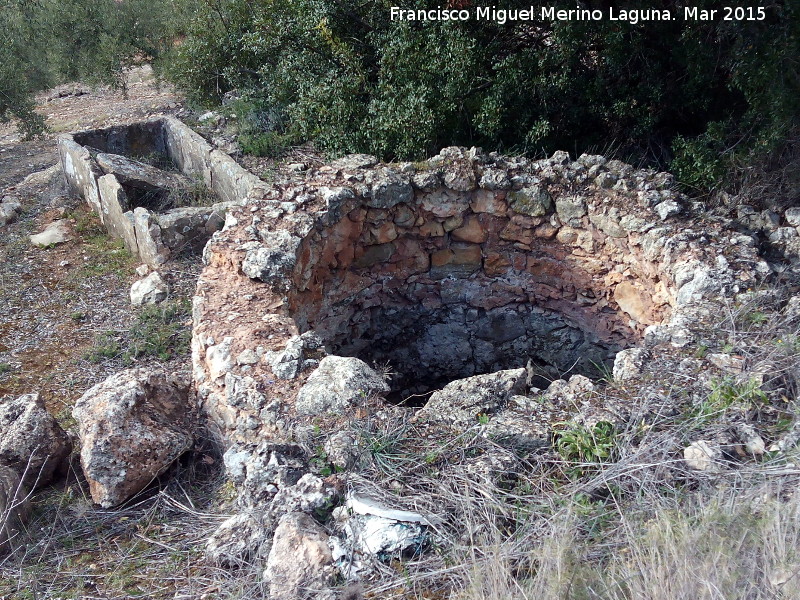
(464, 264)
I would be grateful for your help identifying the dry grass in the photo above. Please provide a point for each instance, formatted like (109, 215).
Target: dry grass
(535, 524)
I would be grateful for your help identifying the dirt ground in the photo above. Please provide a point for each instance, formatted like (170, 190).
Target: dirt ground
(58, 304)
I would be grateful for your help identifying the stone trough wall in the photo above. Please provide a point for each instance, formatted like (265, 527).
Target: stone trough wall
(153, 236)
(463, 264)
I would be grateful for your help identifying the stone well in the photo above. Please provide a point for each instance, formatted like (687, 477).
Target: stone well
(464, 264)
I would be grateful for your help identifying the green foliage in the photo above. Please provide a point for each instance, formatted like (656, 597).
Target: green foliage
(352, 80)
(159, 331)
(47, 42)
(579, 443)
(726, 393)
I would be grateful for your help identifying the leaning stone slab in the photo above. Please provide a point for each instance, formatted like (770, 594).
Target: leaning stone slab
(140, 175)
(132, 427)
(31, 442)
(116, 213)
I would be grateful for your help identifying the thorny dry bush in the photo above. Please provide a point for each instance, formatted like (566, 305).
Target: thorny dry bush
(545, 521)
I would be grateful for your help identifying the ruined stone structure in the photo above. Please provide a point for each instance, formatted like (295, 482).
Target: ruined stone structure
(465, 264)
(95, 170)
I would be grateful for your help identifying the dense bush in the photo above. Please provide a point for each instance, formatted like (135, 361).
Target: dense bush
(701, 94)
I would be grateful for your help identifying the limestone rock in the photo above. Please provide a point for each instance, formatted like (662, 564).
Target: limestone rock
(534, 201)
(571, 208)
(139, 175)
(132, 427)
(352, 162)
(338, 384)
(667, 209)
(300, 562)
(260, 472)
(273, 260)
(632, 301)
(750, 439)
(572, 392)
(390, 188)
(56, 232)
(310, 495)
(300, 353)
(793, 216)
(628, 364)
(460, 402)
(218, 358)
(703, 456)
(31, 442)
(342, 449)
(150, 290)
(239, 540)
(14, 507)
(10, 208)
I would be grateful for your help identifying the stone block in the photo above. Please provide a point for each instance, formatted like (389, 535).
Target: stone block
(118, 218)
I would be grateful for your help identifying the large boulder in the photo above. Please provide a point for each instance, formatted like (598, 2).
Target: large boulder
(132, 427)
(14, 506)
(31, 442)
(338, 383)
(300, 562)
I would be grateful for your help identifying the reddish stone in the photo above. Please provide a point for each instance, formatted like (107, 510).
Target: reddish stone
(486, 201)
(517, 233)
(431, 229)
(495, 264)
(472, 231)
(546, 231)
(383, 234)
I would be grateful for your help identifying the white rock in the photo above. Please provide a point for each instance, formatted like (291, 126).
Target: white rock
(338, 384)
(55, 233)
(300, 561)
(793, 216)
(142, 270)
(702, 456)
(238, 540)
(628, 364)
(218, 358)
(150, 290)
(247, 357)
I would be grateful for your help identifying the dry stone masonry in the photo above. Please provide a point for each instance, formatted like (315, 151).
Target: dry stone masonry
(128, 194)
(466, 264)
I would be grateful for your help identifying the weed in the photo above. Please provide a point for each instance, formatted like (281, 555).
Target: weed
(579, 443)
(727, 392)
(196, 194)
(267, 144)
(106, 346)
(161, 330)
(5, 368)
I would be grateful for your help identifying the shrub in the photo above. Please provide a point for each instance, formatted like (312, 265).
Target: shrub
(350, 79)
